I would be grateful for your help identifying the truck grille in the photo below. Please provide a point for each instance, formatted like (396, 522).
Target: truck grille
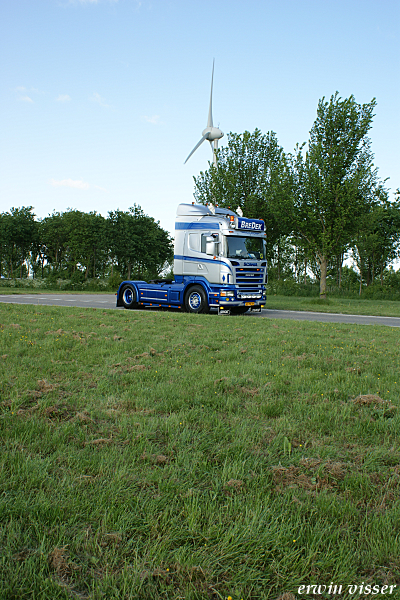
(248, 277)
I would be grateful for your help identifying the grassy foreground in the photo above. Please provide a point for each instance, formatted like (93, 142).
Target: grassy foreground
(162, 455)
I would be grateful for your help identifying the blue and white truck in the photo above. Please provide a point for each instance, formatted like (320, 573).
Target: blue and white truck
(219, 265)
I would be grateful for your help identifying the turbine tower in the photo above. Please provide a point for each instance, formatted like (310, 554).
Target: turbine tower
(210, 133)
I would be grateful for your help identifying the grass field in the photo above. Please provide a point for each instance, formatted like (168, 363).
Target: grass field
(169, 456)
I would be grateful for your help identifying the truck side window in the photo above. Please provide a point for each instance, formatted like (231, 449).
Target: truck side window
(194, 241)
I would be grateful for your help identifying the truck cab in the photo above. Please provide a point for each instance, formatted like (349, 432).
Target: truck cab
(219, 264)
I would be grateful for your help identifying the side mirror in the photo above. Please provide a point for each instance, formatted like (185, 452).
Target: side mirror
(211, 248)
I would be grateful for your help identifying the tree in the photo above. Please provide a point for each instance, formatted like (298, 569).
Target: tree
(18, 233)
(86, 242)
(54, 239)
(249, 174)
(138, 242)
(333, 184)
(377, 240)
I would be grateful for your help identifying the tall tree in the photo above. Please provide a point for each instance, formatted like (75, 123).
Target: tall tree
(249, 174)
(18, 235)
(85, 240)
(377, 240)
(138, 242)
(333, 184)
(54, 239)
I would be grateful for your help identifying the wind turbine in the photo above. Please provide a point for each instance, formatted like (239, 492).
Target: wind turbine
(210, 133)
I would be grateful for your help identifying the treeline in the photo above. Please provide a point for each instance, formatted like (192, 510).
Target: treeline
(321, 203)
(78, 246)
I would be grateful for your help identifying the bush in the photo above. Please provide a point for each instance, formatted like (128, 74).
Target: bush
(291, 288)
(114, 281)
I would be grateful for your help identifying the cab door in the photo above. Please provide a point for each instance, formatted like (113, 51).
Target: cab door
(194, 263)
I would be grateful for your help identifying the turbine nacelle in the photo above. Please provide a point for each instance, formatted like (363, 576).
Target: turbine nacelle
(212, 133)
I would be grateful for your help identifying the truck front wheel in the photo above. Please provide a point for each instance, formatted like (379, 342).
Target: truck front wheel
(196, 300)
(128, 297)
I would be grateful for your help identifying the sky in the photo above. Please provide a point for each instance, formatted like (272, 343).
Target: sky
(101, 101)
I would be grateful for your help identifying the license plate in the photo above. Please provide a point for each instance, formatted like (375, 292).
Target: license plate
(249, 303)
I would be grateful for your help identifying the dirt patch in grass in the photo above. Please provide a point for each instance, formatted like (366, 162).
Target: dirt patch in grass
(177, 576)
(312, 475)
(292, 477)
(59, 412)
(354, 370)
(45, 387)
(245, 387)
(58, 562)
(83, 417)
(368, 400)
(156, 459)
(381, 408)
(300, 357)
(99, 441)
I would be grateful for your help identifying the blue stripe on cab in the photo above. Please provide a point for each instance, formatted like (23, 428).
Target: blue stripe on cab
(197, 225)
(201, 260)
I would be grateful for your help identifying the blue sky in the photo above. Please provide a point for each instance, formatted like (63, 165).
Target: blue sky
(102, 101)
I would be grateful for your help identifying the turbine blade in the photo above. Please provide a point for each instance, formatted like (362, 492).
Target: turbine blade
(210, 120)
(196, 146)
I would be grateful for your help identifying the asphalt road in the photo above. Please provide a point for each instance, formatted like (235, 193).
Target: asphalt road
(109, 301)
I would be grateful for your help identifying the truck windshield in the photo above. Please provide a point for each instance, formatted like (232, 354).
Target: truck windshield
(245, 247)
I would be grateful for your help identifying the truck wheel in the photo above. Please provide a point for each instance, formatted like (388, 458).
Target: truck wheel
(128, 297)
(239, 310)
(196, 300)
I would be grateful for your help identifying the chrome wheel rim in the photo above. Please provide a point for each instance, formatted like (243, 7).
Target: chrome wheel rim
(128, 296)
(194, 300)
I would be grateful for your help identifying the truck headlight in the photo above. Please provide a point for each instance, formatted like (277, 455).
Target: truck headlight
(226, 293)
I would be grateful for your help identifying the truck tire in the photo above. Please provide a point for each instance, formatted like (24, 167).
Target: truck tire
(128, 297)
(196, 300)
(239, 310)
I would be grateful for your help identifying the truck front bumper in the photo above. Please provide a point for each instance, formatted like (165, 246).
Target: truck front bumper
(234, 297)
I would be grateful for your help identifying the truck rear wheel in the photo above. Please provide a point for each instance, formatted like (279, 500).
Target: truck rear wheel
(196, 300)
(128, 297)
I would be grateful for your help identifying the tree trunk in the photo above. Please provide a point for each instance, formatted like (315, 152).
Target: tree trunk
(279, 265)
(129, 270)
(339, 269)
(361, 280)
(323, 264)
(305, 271)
